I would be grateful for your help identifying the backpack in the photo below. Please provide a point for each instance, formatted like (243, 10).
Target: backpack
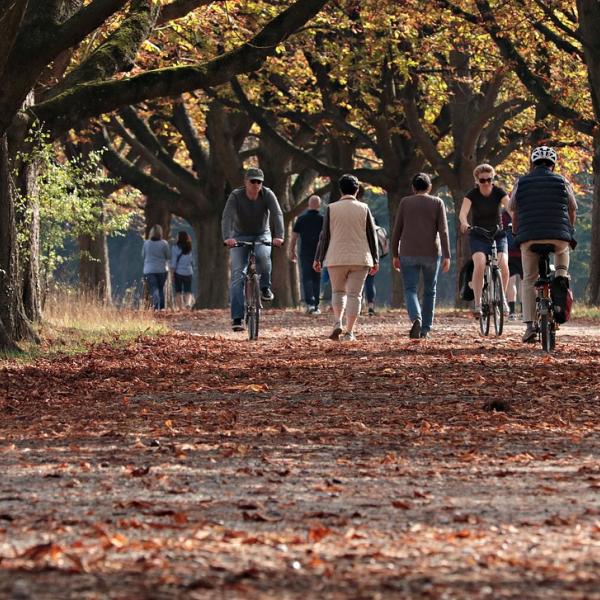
(562, 299)
(382, 241)
(464, 278)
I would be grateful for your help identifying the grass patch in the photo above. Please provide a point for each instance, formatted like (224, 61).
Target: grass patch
(72, 323)
(585, 311)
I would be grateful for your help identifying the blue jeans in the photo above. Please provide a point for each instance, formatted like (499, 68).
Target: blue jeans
(370, 288)
(411, 267)
(156, 287)
(239, 265)
(311, 281)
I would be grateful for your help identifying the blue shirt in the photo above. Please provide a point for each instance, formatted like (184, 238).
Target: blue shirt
(182, 264)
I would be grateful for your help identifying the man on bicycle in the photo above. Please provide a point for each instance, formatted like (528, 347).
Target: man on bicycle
(544, 209)
(246, 219)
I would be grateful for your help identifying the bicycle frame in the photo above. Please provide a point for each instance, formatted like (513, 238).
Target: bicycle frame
(492, 293)
(544, 310)
(252, 288)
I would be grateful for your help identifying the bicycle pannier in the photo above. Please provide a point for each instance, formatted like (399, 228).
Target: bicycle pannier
(562, 298)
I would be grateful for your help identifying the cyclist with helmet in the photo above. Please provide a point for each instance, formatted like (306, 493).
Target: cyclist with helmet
(485, 201)
(544, 210)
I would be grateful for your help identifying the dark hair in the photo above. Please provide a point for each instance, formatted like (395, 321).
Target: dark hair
(348, 184)
(421, 182)
(543, 162)
(184, 241)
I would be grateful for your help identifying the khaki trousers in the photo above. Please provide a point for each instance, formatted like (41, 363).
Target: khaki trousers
(346, 288)
(531, 271)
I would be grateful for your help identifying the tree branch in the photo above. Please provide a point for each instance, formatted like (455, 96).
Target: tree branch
(182, 122)
(144, 134)
(178, 9)
(117, 53)
(93, 99)
(530, 80)
(10, 22)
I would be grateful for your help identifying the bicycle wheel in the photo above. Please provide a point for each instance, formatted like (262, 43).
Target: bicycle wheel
(484, 319)
(253, 307)
(547, 333)
(498, 301)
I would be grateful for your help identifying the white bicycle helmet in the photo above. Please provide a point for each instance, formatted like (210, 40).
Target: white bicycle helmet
(544, 153)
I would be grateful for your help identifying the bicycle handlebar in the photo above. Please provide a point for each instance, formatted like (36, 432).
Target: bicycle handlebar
(489, 234)
(239, 244)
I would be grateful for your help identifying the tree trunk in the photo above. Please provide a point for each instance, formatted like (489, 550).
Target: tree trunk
(94, 267)
(212, 261)
(156, 213)
(397, 299)
(32, 292)
(463, 248)
(286, 285)
(594, 281)
(14, 325)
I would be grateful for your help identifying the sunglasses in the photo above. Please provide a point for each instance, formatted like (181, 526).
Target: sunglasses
(486, 180)
(256, 181)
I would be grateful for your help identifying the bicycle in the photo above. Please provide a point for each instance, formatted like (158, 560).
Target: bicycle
(492, 293)
(252, 289)
(545, 321)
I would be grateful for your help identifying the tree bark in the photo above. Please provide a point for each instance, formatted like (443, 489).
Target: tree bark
(397, 299)
(94, 267)
(212, 261)
(285, 274)
(594, 281)
(14, 325)
(157, 213)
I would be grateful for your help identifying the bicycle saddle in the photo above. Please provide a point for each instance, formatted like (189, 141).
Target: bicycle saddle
(542, 249)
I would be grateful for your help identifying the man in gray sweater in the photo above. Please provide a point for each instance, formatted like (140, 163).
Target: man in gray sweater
(246, 219)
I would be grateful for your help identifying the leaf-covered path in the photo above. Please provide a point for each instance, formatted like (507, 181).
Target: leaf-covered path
(200, 465)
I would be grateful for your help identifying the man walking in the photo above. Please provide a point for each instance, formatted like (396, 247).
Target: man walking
(246, 219)
(420, 219)
(308, 228)
(544, 209)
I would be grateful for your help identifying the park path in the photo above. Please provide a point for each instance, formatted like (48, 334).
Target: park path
(200, 465)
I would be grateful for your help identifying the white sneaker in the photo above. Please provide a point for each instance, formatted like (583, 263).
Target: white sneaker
(315, 311)
(348, 337)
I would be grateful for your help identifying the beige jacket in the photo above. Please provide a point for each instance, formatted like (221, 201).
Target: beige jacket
(348, 236)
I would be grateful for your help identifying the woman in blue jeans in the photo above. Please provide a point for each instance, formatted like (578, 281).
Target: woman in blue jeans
(419, 244)
(156, 254)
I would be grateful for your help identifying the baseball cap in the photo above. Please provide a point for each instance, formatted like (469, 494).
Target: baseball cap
(254, 173)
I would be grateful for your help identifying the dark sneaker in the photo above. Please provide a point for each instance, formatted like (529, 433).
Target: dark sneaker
(530, 334)
(267, 294)
(415, 330)
(337, 331)
(372, 312)
(237, 324)
(424, 334)
(477, 311)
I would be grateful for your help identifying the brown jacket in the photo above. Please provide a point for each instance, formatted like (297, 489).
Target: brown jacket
(348, 236)
(420, 226)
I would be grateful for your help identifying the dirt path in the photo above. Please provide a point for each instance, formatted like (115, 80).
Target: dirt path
(200, 465)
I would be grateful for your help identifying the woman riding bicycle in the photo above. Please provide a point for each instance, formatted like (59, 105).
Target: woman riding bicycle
(485, 201)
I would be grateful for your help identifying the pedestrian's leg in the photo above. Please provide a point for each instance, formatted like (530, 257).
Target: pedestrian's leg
(263, 265)
(307, 271)
(370, 292)
(410, 268)
(316, 286)
(431, 269)
(161, 279)
(561, 258)
(477, 281)
(338, 276)
(354, 287)
(239, 260)
(531, 272)
(152, 283)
